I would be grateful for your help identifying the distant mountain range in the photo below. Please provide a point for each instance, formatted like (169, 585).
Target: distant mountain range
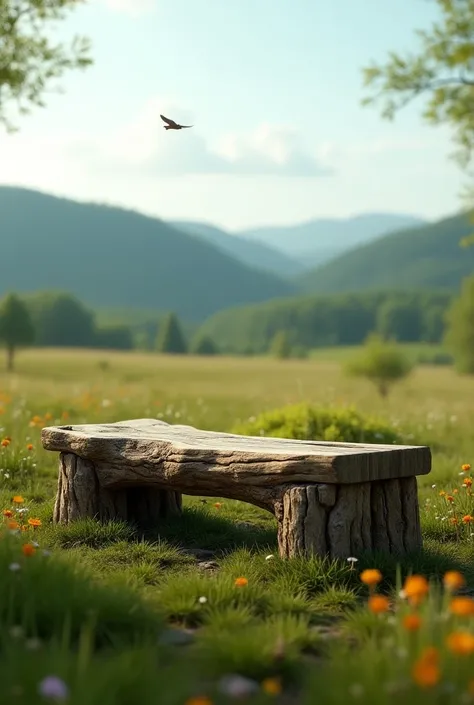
(111, 257)
(250, 252)
(318, 241)
(428, 257)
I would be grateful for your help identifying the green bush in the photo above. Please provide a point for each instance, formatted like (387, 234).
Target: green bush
(306, 422)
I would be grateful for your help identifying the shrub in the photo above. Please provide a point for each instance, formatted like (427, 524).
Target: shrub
(306, 422)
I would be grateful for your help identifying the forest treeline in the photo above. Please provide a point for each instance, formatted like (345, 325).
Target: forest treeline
(60, 320)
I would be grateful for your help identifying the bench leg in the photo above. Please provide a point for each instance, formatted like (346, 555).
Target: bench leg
(80, 495)
(340, 521)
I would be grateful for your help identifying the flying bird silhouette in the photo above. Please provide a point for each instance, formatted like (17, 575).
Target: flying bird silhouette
(172, 125)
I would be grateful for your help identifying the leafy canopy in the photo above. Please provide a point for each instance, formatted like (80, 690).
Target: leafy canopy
(442, 70)
(29, 59)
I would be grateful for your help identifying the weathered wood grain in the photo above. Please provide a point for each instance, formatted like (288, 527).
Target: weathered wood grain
(336, 499)
(147, 450)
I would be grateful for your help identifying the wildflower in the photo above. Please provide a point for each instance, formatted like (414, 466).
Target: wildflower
(48, 416)
(454, 521)
(241, 582)
(7, 513)
(461, 643)
(272, 686)
(449, 498)
(467, 519)
(426, 673)
(371, 577)
(34, 522)
(35, 421)
(28, 550)
(5, 442)
(467, 482)
(466, 467)
(378, 604)
(30, 446)
(218, 505)
(453, 580)
(18, 499)
(442, 493)
(13, 525)
(54, 688)
(411, 622)
(416, 588)
(65, 415)
(462, 606)
(270, 557)
(199, 700)
(237, 686)
(202, 600)
(14, 567)
(455, 491)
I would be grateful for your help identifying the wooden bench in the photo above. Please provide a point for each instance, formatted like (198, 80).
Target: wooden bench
(335, 499)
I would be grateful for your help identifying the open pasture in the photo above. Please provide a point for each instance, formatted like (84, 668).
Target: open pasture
(109, 601)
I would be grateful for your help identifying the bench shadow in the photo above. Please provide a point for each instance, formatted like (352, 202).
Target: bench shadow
(195, 529)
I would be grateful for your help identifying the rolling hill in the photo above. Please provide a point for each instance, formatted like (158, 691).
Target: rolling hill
(251, 252)
(111, 257)
(427, 257)
(318, 241)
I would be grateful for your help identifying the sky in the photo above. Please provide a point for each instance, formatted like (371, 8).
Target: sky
(273, 89)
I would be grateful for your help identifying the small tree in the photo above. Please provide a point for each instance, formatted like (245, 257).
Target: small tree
(381, 362)
(203, 345)
(170, 337)
(459, 338)
(280, 345)
(16, 327)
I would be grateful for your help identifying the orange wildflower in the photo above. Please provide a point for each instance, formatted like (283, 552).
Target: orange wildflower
(34, 522)
(371, 577)
(30, 446)
(466, 467)
(461, 643)
(378, 604)
(453, 580)
(65, 415)
(411, 622)
(28, 549)
(454, 521)
(13, 525)
(17, 499)
(442, 493)
(426, 673)
(36, 421)
(25, 527)
(272, 686)
(462, 606)
(48, 416)
(467, 482)
(5, 442)
(241, 582)
(467, 519)
(416, 588)
(218, 505)
(449, 498)
(7, 513)
(199, 700)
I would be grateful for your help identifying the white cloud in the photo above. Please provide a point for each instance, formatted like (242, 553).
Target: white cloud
(135, 8)
(144, 146)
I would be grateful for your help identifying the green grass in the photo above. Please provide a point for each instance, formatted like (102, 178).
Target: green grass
(156, 617)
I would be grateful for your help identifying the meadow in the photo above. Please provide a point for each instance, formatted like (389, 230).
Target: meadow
(202, 610)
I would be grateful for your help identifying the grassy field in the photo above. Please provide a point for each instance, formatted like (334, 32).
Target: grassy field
(99, 614)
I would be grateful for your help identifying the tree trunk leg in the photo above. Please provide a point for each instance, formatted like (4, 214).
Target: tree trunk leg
(80, 496)
(341, 521)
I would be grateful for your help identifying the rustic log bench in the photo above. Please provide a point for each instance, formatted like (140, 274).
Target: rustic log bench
(335, 499)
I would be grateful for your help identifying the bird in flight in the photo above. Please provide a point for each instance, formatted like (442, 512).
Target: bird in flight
(172, 125)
